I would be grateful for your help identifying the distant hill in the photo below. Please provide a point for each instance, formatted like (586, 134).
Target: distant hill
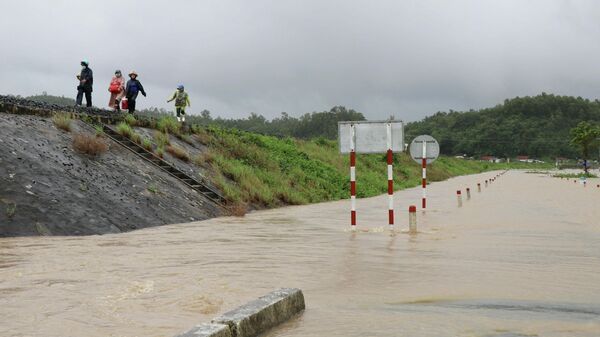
(50, 99)
(536, 126)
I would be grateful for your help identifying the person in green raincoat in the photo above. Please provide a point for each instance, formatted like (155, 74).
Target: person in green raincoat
(182, 100)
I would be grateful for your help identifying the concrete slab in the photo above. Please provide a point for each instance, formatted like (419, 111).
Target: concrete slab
(208, 330)
(263, 313)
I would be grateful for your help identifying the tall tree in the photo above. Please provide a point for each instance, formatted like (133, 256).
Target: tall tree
(585, 136)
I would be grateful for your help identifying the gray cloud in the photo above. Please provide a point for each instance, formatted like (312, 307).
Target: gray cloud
(406, 58)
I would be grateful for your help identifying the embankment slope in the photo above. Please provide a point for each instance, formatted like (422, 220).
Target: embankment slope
(49, 189)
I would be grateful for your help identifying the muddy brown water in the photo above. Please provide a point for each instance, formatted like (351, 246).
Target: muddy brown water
(521, 258)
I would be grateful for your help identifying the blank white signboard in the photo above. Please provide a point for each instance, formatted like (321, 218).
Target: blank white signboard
(371, 137)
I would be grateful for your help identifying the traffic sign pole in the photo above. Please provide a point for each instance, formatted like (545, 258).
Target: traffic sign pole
(424, 150)
(353, 177)
(424, 177)
(390, 171)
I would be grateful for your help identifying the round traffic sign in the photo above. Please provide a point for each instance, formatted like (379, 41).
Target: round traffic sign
(424, 146)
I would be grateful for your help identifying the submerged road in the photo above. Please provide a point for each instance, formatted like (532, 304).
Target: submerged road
(521, 258)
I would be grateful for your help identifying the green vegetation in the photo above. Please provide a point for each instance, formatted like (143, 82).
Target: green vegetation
(136, 138)
(178, 152)
(307, 126)
(574, 175)
(130, 120)
(11, 209)
(160, 151)
(99, 130)
(161, 139)
(168, 124)
(147, 144)
(268, 171)
(585, 136)
(50, 99)
(152, 188)
(62, 121)
(124, 129)
(535, 126)
(185, 138)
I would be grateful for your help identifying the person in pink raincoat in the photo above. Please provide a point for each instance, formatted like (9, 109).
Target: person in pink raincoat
(117, 91)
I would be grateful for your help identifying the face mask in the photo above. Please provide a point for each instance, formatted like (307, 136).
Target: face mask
(82, 67)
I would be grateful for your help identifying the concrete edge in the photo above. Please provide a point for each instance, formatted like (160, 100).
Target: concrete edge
(208, 330)
(263, 313)
(255, 317)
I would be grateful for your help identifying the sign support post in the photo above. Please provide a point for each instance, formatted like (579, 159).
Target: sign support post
(390, 173)
(353, 176)
(424, 181)
(424, 150)
(371, 137)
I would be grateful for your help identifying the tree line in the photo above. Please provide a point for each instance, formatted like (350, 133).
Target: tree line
(537, 126)
(310, 125)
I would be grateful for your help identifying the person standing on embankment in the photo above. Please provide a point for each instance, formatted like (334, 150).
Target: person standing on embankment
(134, 86)
(182, 100)
(86, 81)
(117, 91)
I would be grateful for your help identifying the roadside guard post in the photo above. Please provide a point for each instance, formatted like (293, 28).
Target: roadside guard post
(424, 149)
(371, 137)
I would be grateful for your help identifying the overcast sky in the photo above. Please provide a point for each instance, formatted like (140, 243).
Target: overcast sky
(403, 58)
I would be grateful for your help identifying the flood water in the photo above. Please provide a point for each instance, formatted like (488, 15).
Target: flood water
(521, 258)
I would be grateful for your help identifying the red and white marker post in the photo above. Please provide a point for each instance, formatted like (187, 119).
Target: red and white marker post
(424, 150)
(424, 177)
(390, 172)
(412, 219)
(353, 177)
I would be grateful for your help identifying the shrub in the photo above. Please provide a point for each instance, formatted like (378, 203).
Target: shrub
(161, 139)
(160, 151)
(89, 144)
(147, 144)
(203, 136)
(168, 124)
(136, 138)
(130, 120)
(99, 130)
(153, 189)
(204, 158)
(178, 152)
(124, 129)
(238, 209)
(84, 117)
(62, 121)
(198, 160)
(186, 138)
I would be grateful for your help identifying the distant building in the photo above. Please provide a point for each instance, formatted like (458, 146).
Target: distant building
(491, 159)
(524, 159)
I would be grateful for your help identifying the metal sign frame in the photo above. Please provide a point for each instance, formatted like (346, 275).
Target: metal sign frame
(371, 136)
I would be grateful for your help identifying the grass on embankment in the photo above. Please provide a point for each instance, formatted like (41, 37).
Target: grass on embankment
(575, 175)
(268, 171)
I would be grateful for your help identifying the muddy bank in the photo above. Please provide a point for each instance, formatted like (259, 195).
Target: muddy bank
(46, 188)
